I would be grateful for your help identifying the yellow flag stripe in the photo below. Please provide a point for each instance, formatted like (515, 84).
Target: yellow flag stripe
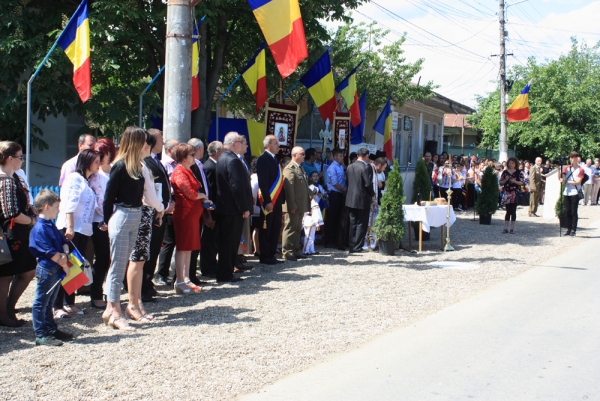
(79, 50)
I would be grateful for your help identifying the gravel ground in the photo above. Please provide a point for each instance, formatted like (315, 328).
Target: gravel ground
(232, 339)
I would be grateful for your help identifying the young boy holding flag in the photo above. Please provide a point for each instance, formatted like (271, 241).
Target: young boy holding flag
(50, 248)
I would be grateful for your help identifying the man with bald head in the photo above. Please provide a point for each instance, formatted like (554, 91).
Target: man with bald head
(297, 202)
(535, 186)
(85, 141)
(272, 197)
(233, 205)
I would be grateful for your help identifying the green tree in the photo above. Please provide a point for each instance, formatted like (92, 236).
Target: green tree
(389, 224)
(127, 40)
(487, 200)
(563, 101)
(422, 182)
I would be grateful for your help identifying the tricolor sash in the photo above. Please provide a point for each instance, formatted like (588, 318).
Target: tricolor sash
(275, 190)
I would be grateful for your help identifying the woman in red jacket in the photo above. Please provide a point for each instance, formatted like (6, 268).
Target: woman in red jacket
(186, 217)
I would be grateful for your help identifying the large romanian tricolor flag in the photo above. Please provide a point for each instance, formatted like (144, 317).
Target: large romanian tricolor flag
(76, 278)
(358, 132)
(255, 76)
(281, 23)
(253, 131)
(195, 59)
(384, 126)
(75, 41)
(519, 109)
(347, 88)
(319, 82)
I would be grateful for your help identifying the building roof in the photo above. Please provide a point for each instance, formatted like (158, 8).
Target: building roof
(457, 121)
(448, 105)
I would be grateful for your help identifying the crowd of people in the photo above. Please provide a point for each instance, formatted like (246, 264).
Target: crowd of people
(129, 208)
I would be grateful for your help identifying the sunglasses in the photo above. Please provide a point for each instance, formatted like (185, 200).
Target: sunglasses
(22, 157)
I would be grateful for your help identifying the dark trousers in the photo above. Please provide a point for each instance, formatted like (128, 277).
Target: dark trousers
(80, 242)
(208, 253)
(511, 212)
(443, 193)
(470, 195)
(194, 257)
(166, 252)
(331, 237)
(456, 197)
(269, 238)
(156, 241)
(229, 234)
(42, 317)
(358, 224)
(571, 204)
(102, 262)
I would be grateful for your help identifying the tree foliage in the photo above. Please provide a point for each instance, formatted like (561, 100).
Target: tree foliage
(128, 49)
(389, 224)
(422, 182)
(563, 100)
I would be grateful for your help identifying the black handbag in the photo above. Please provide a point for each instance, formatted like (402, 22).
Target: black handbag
(5, 255)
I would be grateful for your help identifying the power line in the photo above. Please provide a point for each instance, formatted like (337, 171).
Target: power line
(558, 29)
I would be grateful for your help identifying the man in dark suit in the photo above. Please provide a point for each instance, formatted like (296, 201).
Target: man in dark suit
(270, 180)
(158, 231)
(208, 252)
(233, 205)
(198, 171)
(359, 199)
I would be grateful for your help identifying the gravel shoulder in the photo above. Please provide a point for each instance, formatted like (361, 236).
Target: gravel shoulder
(234, 339)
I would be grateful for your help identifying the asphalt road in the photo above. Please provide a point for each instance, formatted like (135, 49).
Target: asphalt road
(533, 337)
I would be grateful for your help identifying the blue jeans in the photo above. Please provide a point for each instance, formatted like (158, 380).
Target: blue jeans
(41, 312)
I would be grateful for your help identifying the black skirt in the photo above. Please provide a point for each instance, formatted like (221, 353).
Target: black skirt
(23, 261)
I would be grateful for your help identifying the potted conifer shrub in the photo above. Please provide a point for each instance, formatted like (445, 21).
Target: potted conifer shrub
(389, 224)
(422, 187)
(560, 210)
(487, 200)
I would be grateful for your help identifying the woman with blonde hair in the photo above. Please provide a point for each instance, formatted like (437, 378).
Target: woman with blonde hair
(16, 219)
(123, 213)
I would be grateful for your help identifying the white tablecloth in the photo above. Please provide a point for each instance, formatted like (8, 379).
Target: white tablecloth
(431, 216)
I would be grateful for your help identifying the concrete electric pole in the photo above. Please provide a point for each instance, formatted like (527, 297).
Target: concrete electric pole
(503, 147)
(177, 115)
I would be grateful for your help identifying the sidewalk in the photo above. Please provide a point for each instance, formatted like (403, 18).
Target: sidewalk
(533, 337)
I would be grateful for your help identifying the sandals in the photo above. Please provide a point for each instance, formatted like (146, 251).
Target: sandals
(192, 286)
(72, 309)
(184, 291)
(61, 314)
(137, 315)
(120, 324)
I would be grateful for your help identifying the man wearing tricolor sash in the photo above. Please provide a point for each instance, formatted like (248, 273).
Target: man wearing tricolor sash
(271, 197)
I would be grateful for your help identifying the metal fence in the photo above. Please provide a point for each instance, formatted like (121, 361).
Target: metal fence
(479, 152)
(36, 190)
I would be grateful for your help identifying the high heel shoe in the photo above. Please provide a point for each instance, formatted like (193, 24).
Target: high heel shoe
(144, 313)
(120, 324)
(106, 318)
(192, 286)
(93, 305)
(136, 314)
(179, 290)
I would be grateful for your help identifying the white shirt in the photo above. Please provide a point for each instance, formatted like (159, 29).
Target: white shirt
(204, 184)
(67, 168)
(79, 198)
(98, 183)
(25, 183)
(152, 194)
(254, 185)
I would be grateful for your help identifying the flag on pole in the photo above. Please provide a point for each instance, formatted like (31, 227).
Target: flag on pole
(519, 109)
(347, 88)
(384, 127)
(75, 41)
(255, 76)
(76, 278)
(358, 132)
(281, 24)
(319, 82)
(195, 59)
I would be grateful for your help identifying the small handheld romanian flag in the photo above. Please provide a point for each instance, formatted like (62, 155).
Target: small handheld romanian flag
(76, 278)
(519, 109)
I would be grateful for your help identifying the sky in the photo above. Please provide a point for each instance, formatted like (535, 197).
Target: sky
(457, 38)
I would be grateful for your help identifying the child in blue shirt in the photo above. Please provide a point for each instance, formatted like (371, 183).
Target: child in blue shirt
(46, 244)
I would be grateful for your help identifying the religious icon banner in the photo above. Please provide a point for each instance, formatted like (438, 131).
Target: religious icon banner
(341, 134)
(281, 120)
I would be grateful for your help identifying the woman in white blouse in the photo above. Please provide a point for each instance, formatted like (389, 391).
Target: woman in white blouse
(152, 211)
(77, 207)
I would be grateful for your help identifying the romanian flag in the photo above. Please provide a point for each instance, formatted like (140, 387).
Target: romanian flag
(281, 23)
(75, 41)
(319, 82)
(384, 126)
(347, 88)
(255, 76)
(358, 132)
(519, 109)
(195, 59)
(274, 191)
(76, 278)
(252, 130)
